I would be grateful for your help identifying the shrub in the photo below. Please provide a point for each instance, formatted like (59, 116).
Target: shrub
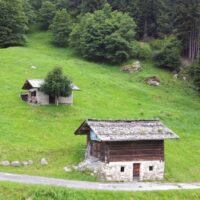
(194, 72)
(157, 45)
(141, 51)
(169, 55)
(104, 35)
(61, 28)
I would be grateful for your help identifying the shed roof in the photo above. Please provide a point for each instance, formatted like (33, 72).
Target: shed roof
(126, 130)
(37, 83)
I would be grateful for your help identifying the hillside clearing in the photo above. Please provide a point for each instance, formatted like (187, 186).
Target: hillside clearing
(34, 132)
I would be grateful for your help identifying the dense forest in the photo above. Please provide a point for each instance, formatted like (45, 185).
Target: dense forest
(112, 31)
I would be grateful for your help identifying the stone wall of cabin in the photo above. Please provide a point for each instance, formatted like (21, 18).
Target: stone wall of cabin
(112, 171)
(42, 98)
(66, 100)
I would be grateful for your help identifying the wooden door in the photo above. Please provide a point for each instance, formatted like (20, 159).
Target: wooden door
(136, 170)
(52, 100)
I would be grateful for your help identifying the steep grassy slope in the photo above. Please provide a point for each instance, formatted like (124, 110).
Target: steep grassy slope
(15, 192)
(33, 132)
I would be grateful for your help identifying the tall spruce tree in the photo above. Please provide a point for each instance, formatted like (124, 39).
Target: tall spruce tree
(46, 14)
(123, 5)
(30, 12)
(73, 7)
(151, 17)
(13, 23)
(91, 5)
(61, 27)
(187, 26)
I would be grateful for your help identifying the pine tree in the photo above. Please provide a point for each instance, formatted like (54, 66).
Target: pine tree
(29, 11)
(13, 23)
(46, 14)
(151, 17)
(91, 5)
(72, 7)
(187, 26)
(61, 27)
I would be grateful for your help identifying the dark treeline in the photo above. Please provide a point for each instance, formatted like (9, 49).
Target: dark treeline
(154, 18)
(105, 26)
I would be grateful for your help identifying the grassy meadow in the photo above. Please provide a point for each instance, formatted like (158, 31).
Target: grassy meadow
(22, 192)
(34, 132)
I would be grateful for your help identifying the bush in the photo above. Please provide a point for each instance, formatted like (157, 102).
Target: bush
(194, 72)
(104, 35)
(169, 55)
(141, 51)
(157, 45)
(61, 28)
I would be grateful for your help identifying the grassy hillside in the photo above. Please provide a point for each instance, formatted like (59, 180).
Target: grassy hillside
(33, 132)
(15, 192)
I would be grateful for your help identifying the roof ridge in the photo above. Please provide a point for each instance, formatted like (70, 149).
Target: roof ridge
(125, 120)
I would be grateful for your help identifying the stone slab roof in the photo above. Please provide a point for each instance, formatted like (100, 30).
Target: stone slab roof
(126, 130)
(37, 83)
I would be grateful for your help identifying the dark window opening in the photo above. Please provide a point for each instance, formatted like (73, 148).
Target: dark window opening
(150, 168)
(122, 169)
(33, 94)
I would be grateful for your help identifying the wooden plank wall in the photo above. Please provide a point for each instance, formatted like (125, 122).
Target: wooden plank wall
(137, 150)
(98, 150)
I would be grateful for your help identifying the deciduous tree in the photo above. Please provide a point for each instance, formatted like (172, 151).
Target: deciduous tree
(57, 84)
(104, 35)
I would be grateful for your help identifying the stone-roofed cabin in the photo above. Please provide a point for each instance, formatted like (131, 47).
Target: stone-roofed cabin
(36, 96)
(126, 150)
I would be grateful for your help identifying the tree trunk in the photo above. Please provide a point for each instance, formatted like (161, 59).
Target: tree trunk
(57, 101)
(145, 35)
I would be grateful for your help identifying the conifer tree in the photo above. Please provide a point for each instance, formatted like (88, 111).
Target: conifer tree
(187, 26)
(61, 27)
(13, 23)
(46, 14)
(91, 5)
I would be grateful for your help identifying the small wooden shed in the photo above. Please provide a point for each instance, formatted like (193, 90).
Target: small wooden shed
(36, 96)
(129, 149)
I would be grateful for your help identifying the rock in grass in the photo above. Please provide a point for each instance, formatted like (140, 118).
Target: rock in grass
(5, 163)
(30, 162)
(15, 164)
(135, 67)
(43, 162)
(153, 80)
(27, 162)
(67, 169)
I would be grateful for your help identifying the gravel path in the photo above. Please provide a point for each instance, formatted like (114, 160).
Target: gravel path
(134, 186)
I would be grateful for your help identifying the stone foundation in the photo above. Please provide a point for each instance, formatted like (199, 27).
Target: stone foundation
(123, 171)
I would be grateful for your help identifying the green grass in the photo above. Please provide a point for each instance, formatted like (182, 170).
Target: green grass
(10, 191)
(33, 132)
